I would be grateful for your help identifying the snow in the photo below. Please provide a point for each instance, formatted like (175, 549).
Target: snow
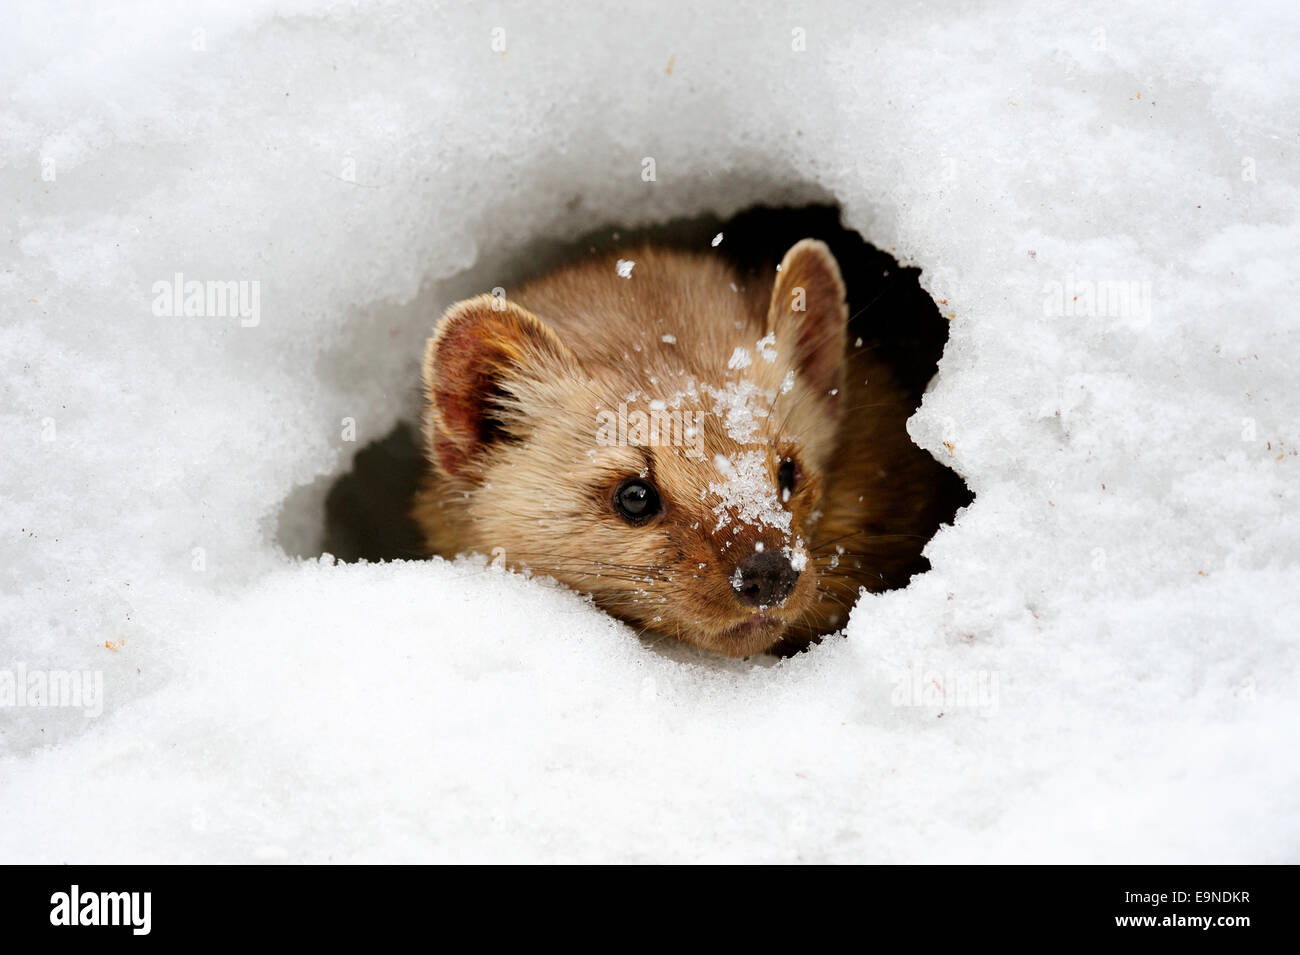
(741, 404)
(739, 359)
(747, 495)
(1110, 629)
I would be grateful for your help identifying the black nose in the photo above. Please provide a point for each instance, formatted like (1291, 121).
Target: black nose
(764, 578)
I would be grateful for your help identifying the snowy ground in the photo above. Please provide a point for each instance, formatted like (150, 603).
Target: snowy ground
(1113, 622)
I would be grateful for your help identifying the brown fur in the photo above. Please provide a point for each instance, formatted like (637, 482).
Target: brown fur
(514, 389)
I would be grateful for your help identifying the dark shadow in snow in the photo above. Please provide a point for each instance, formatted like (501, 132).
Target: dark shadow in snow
(367, 510)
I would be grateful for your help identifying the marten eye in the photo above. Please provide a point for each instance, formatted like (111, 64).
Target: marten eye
(787, 476)
(636, 501)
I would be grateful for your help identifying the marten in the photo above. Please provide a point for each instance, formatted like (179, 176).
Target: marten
(708, 455)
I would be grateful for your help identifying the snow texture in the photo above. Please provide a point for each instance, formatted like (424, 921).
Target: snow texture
(1102, 665)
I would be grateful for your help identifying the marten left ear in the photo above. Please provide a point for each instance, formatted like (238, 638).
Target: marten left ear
(488, 362)
(808, 314)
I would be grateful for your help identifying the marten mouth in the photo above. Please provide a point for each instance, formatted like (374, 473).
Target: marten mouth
(757, 628)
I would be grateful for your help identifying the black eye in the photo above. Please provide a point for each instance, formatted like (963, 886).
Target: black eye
(787, 475)
(636, 501)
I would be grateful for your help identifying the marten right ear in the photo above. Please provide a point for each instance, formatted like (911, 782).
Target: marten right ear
(485, 361)
(809, 316)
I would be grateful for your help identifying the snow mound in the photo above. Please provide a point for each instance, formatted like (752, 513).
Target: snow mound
(227, 231)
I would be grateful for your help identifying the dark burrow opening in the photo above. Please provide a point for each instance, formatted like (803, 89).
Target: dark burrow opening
(367, 509)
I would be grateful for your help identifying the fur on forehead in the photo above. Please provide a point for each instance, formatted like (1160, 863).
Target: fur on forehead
(492, 364)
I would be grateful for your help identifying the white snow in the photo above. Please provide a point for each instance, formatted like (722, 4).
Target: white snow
(741, 405)
(797, 555)
(1114, 620)
(746, 495)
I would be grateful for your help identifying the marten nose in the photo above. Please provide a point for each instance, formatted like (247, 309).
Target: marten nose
(764, 578)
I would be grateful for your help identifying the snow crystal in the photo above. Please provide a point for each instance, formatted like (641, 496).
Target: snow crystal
(717, 240)
(1127, 577)
(747, 494)
(797, 555)
(742, 406)
(624, 268)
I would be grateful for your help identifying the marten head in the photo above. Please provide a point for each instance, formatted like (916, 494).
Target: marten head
(650, 432)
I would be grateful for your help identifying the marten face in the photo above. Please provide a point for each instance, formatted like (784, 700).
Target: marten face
(676, 477)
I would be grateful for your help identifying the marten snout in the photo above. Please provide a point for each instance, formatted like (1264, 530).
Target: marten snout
(764, 578)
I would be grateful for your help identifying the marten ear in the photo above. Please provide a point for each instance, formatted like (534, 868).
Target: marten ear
(486, 359)
(808, 314)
